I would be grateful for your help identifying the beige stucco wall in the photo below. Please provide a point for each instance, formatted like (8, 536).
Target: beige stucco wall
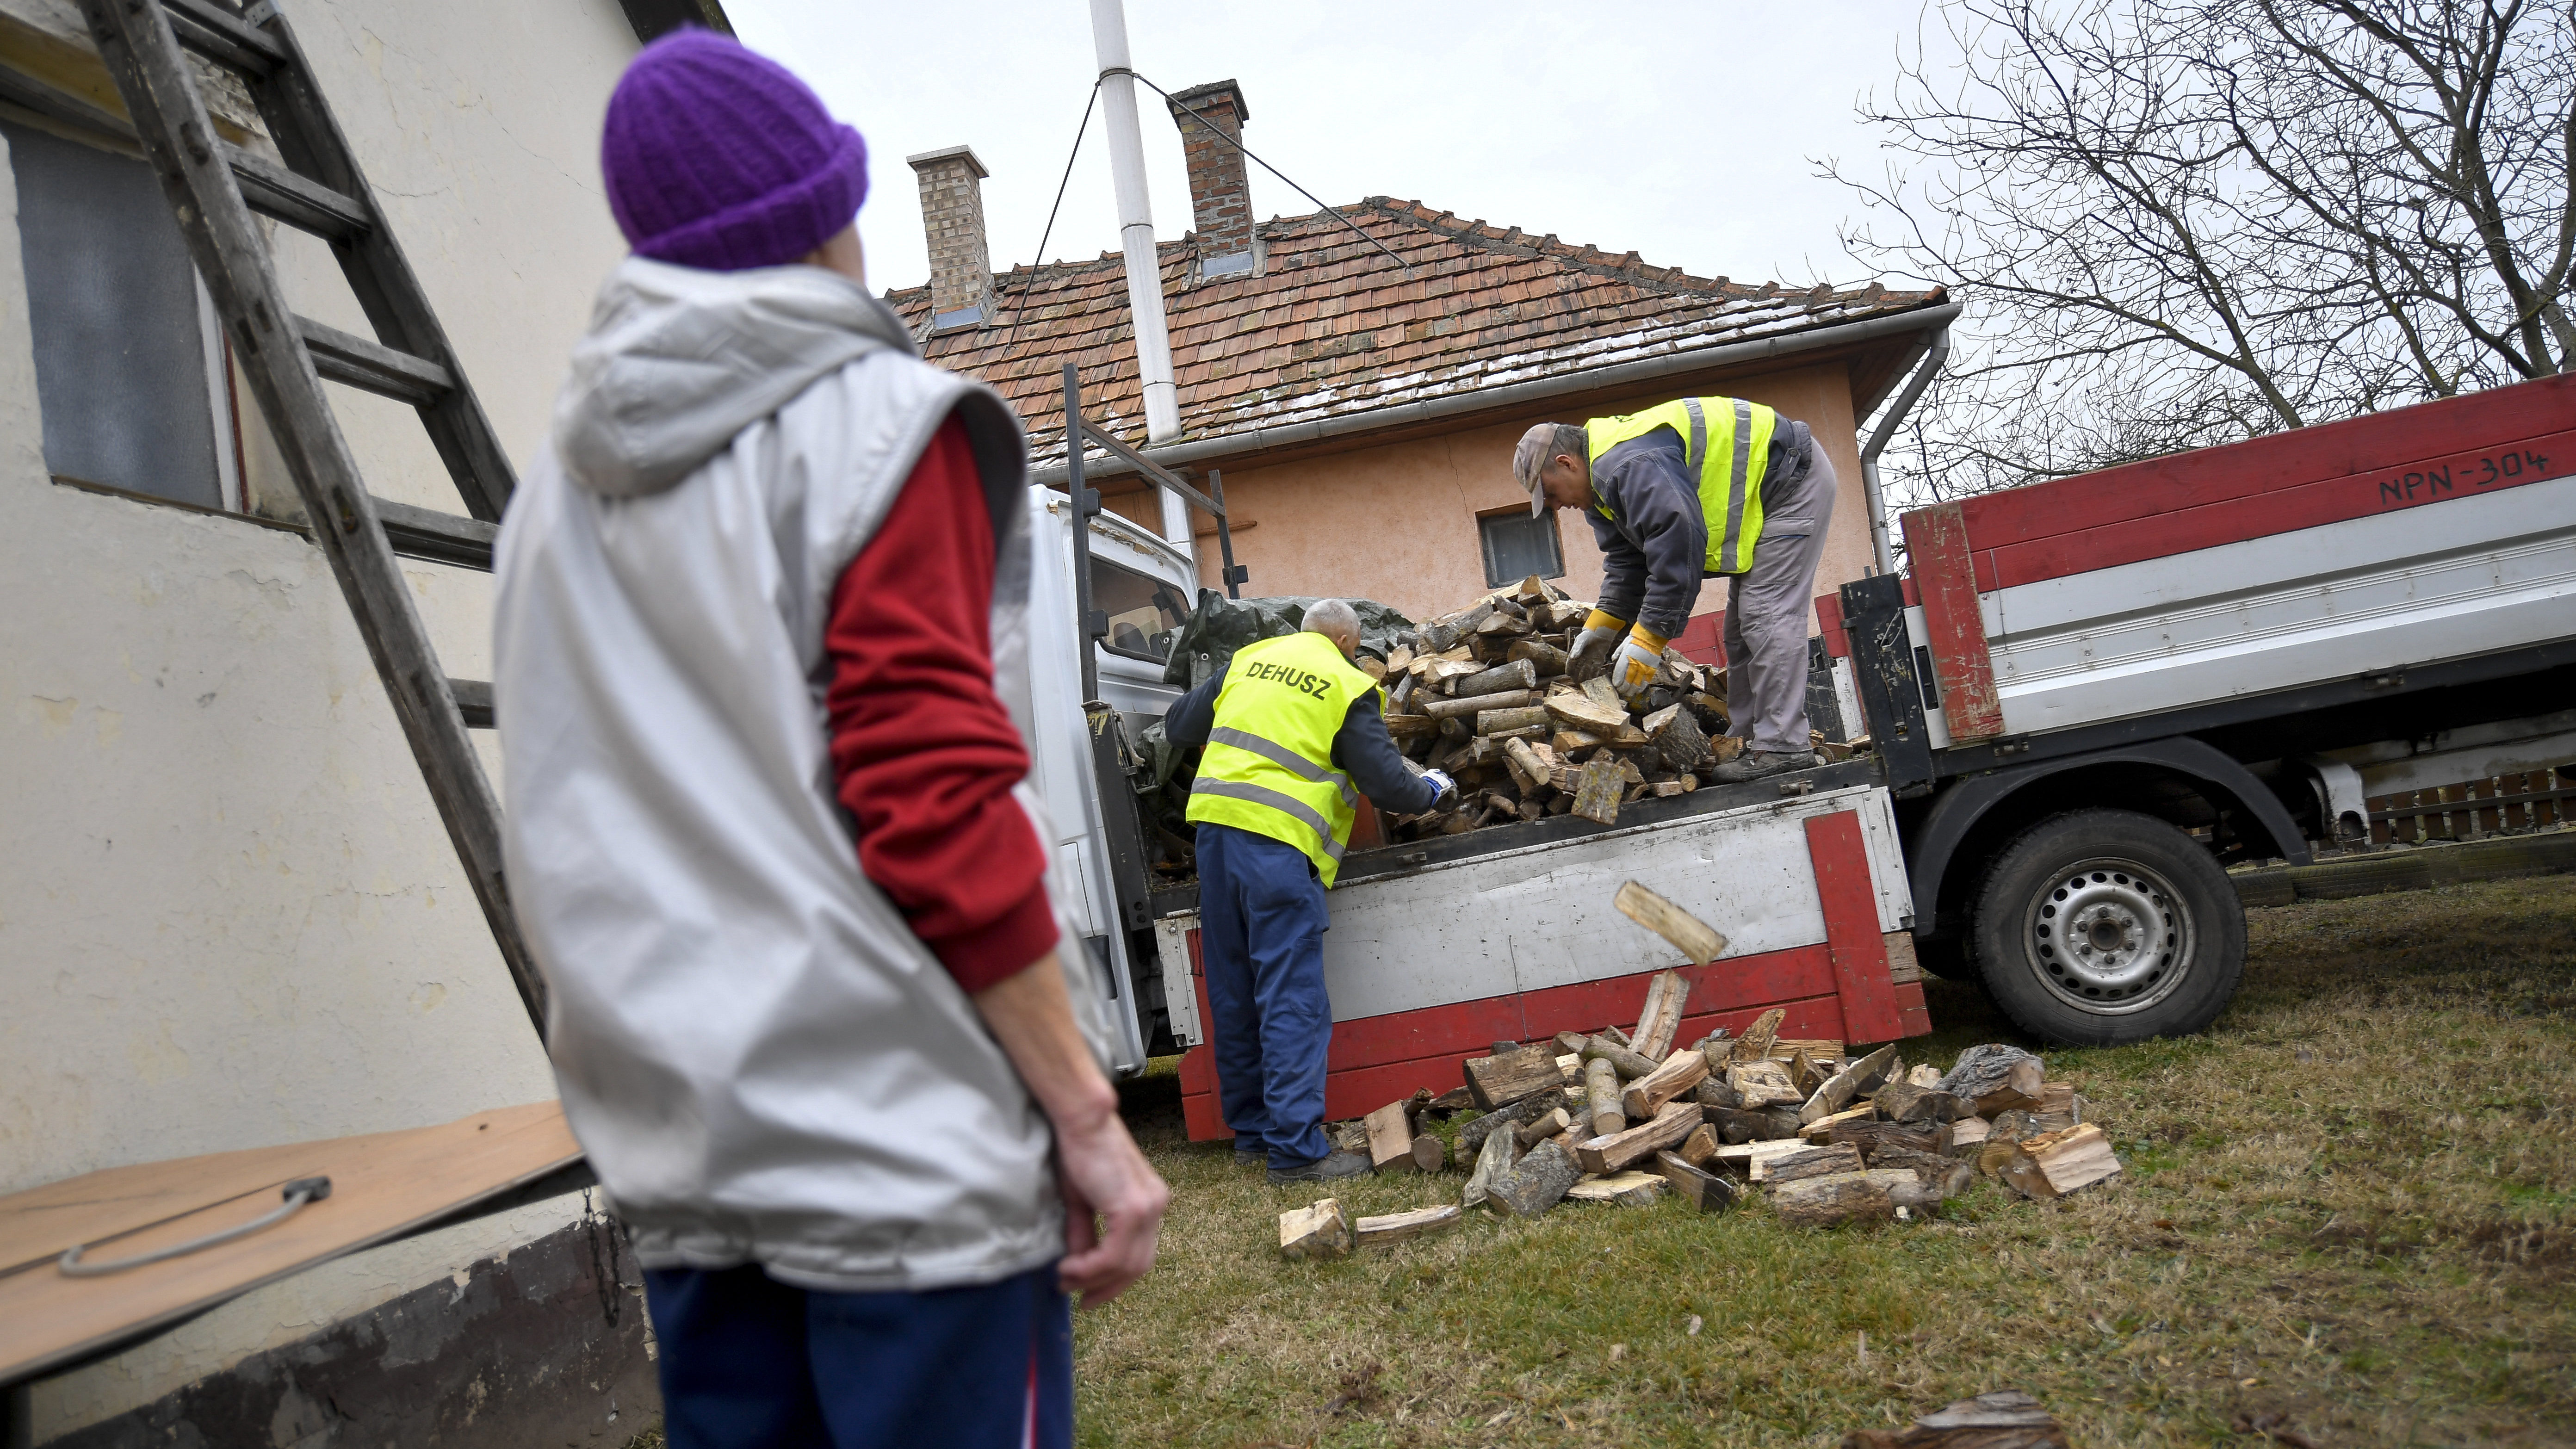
(229, 915)
(1397, 522)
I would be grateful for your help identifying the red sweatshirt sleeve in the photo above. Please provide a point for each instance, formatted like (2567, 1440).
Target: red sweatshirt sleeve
(923, 753)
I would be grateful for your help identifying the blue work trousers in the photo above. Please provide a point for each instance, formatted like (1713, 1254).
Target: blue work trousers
(749, 1362)
(1261, 942)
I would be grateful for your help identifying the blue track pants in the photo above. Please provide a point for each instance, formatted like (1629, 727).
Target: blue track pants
(1261, 942)
(750, 1363)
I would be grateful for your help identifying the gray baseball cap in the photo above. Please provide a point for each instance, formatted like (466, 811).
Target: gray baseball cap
(1528, 458)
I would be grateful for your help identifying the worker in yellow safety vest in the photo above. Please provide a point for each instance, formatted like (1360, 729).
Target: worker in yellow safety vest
(1698, 488)
(1294, 735)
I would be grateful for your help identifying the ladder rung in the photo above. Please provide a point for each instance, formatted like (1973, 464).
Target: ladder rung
(344, 357)
(223, 37)
(273, 191)
(446, 538)
(474, 701)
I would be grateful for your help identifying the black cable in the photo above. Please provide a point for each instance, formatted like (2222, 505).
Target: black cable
(1266, 166)
(1040, 260)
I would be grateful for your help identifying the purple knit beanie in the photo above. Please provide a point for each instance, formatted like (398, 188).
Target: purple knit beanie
(718, 158)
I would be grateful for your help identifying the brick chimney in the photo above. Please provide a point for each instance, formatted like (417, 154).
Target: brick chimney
(952, 217)
(1220, 189)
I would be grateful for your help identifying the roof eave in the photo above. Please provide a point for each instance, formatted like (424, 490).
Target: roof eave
(1346, 429)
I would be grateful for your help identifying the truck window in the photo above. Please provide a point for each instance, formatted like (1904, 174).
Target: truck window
(1143, 611)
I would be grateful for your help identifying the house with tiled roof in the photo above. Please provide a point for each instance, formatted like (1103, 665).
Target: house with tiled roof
(1359, 375)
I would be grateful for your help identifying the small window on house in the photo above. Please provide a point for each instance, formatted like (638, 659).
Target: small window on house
(1517, 546)
(129, 363)
(1143, 611)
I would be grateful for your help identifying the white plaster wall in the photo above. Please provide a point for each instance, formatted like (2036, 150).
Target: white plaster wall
(229, 915)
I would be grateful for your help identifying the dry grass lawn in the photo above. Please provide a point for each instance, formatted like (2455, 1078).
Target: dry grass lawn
(2349, 1204)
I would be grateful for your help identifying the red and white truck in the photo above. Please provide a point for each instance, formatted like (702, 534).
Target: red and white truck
(2085, 698)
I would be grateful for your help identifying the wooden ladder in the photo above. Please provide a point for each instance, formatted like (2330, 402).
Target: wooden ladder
(215, 189)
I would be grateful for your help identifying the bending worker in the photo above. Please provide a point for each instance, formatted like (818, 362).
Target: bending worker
(1703, 487)
(1290, 728)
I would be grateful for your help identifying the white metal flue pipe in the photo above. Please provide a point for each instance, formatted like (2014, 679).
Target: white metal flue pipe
(1135, 221)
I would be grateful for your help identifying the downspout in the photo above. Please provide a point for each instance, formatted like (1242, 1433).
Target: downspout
(1136, 241)
(1884, 434)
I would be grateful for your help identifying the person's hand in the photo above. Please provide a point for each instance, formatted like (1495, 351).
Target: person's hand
(1100, 1171)
(1447, 788)
(1592, 647)
(1636, 663)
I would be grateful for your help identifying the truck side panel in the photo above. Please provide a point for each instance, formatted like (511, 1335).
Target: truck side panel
(1430, 968)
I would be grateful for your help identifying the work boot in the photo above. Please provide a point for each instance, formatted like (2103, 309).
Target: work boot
(1331, 1167)
(1754, 764)
(1252, 1156)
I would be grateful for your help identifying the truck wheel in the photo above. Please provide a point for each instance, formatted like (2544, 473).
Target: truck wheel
(1946, 957)
(2105, 927)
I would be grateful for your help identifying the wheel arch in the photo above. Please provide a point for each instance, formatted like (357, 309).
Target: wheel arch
(1977, 812)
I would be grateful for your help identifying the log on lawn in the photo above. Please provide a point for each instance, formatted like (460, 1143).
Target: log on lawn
(1629, 1189)
(1702, 1190)
(1390, 1136)
(1813, 1162)
(1500, 1152)
(1389, 1229)
(1699, 1147)
(1763, 1084)
(1947, 1174)
(1906, 1102)
(1626, 1060)
(1620, 1150)
(2054, 1164)
(1428, 1154)
(1755, 1044)
(1647, 1095)
(1843, 1197)
(1508, 1077)
(1321, 1231)
(2004, 1419)
(1601, 1097)
(1737, 1125)
(1688, 934)
(1660, 1019)
(1471, 1136)
(2008, 1075)
(1864, 1077)
(1535, 1183)
(1968, 1137)
(1870, 1136)
(1530, 1133)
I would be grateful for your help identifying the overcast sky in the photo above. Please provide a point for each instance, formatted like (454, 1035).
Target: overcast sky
(1686, 132)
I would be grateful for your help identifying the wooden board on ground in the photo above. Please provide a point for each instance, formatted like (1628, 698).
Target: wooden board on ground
(1388, 1229)
(383, 1186)
(1689, 934)
(1631, 1189)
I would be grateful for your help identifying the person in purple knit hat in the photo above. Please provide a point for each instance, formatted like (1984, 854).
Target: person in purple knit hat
(767, 830)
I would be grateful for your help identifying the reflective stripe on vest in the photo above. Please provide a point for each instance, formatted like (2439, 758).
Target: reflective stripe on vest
(1729, 465)
(1268, 764)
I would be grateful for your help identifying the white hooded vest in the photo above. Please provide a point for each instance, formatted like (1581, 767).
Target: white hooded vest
(762, 1061)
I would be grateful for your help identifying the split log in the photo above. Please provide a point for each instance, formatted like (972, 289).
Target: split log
(1688, 934)
(1471, 1136)
(1528, 771)
(1597, 790)
(1613, 1153)
(1580, 712)
(1714, 1092)
(1870, 1136)
(1615, 1036)
(1569, 1065)
(1744, 1156)
(1535, 1183)
(1500, 1080)
(1531, 1132)
(1500, 1152)
(1683, 744)
(1755, 1044)
(1968, 1137)
(1389, 1229)
(1601, 1097)
(1547, 659)
(1926, 1076)
(2004, 1419)
(2007, 1074)
(1947, 1174)
(1647, 1095)
(1813, 1162)
(1660, 1019)
(2054, 1164)
(1627, 1060)
(1822, 1128)
(1390, 1136)
(1862, 1078)
(1703, 1190)
(1842, 1197)
(1805, 1075)
(2058, 1107)
(1736, 1125)
(1522, 724)
(1763, 1084)
(1699, 1148)
(1501, 679)
(1321, 1231)
(1598, 691)
(1507, 626)
(1906, 1102)
(1629, 1189)
(1406, 727)
(1823, 1049)
(1465, 708)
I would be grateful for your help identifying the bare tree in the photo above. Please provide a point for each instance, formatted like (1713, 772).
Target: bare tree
(2184, 222)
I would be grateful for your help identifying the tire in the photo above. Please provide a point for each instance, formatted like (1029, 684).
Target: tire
(2122, 878)
(1946, 957)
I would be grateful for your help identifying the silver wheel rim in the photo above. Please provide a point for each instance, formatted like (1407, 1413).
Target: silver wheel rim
(2108, 936)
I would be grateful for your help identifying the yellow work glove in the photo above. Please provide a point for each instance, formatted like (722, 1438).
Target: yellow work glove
(1639, 658)
(1591, 651)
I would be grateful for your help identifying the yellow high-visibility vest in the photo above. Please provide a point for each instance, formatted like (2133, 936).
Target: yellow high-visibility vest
(1727, 441)
(1269, 762)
